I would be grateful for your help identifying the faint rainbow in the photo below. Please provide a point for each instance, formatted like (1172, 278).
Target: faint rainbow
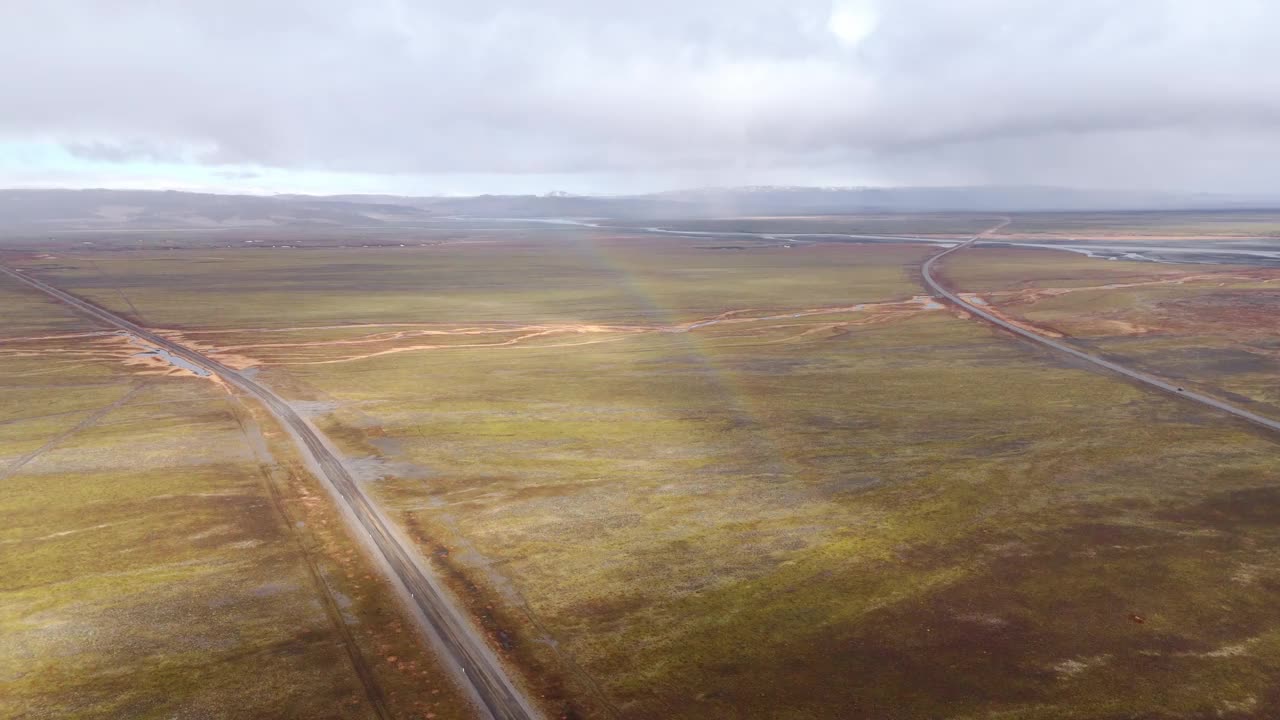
(742, 403)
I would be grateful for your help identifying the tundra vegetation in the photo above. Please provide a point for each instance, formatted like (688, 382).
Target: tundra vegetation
(1212, 327)
(713, 477)
(164, 554)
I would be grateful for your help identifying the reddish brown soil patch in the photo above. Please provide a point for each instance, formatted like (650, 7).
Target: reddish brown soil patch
(1244, 313)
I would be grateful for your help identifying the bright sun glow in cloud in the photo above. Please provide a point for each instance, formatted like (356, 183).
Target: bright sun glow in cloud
(852, 21)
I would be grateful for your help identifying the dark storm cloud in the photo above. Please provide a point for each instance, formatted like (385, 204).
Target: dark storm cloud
(1144, 92)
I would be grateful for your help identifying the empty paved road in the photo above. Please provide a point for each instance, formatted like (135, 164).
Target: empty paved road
(483, 672)
(936, 288)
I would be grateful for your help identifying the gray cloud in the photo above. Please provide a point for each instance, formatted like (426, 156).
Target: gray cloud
(126, 151)
(1145, 93)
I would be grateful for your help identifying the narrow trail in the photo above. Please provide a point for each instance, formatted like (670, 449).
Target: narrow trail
(268, 468)
(119, 292)
(91, 420)
(935, 286)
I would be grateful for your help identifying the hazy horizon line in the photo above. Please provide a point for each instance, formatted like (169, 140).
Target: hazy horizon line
(178, 189)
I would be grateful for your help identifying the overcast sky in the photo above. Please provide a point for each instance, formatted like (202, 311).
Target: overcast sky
(461, 96)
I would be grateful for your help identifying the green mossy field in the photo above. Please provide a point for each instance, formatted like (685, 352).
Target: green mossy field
(147, 564)
(1214, 327)
(674, 480)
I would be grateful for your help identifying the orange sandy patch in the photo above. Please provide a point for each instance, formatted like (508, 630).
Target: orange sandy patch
(751, 320)
(109, 345)
(981, 302)
(232, 360)
(1121, 327)
(1031, 295)
(1245, 319)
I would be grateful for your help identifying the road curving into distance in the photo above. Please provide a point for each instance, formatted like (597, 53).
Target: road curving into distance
(939, 290)
(447, 625)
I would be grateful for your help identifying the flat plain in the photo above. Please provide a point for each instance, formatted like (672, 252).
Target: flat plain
(698, 477)
(164, 554)
(1036, 226)
(1213, 327)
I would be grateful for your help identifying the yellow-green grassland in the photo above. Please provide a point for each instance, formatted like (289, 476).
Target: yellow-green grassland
(671, 477)
(163, 553)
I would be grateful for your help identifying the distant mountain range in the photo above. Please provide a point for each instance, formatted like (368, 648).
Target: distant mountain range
(155, 210)
(36, 210)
